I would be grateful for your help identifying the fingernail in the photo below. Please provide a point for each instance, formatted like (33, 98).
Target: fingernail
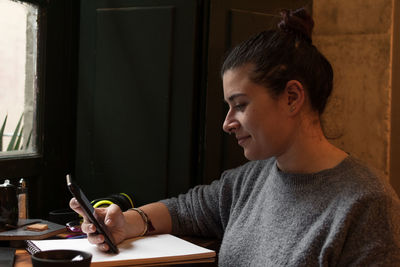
(108, 221)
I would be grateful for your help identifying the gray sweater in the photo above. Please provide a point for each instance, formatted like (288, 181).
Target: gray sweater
(344, 216)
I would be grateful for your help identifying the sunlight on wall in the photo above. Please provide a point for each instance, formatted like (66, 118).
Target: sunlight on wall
(18, 62)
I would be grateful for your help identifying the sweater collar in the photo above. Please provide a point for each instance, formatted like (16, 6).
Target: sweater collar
(300, 180)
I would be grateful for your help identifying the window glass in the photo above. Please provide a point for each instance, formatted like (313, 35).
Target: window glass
(18, 78)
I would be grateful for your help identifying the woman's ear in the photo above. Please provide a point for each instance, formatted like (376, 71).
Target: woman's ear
(294, 96)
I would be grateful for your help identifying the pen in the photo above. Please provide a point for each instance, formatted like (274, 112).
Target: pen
(76, 236)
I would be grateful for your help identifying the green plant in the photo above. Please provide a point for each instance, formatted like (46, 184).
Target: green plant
(2, 132)
(16, 139)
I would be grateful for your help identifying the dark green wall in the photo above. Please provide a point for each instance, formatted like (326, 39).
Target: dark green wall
(150, 102)
(135, 99)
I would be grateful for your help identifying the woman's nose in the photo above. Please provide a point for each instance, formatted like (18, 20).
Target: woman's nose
(230, 125)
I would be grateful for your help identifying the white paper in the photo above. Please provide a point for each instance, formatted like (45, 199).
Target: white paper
(143, 248)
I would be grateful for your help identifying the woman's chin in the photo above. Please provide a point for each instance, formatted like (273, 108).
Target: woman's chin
(252, 155)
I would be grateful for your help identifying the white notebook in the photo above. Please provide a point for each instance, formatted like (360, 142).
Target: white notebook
(155, 249)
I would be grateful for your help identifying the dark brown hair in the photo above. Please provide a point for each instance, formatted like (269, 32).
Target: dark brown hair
(285, 54)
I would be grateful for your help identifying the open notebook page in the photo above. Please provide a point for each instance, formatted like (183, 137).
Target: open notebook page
(143, 250)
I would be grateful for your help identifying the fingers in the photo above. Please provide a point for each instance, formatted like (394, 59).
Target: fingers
(74, 204)
(112, 215)
(88, 227)
(103, 247)
(108, 216)
(98, 239)
(94, 237)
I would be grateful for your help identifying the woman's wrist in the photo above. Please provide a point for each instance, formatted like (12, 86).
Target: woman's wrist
(158, 220)
(134, 224)
(148, 225)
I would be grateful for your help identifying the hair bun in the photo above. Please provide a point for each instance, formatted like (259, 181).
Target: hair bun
(297, 21)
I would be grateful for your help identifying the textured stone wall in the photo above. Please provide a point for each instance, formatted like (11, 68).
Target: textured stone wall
(355, 36)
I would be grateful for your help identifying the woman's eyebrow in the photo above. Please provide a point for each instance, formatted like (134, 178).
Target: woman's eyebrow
(232, 97)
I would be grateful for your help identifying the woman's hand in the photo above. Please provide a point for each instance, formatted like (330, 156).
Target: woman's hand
(112, 217)
(124, 225)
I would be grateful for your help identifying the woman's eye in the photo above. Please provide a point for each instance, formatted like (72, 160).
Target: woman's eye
(239, 106)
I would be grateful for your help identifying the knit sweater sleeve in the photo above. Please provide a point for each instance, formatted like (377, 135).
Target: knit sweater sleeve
(373, 236)
(204, 210)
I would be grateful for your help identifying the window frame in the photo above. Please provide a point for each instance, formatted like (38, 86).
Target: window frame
(28, 164)
(57, 72)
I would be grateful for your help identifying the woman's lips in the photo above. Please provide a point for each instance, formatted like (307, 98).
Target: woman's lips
(243, 139)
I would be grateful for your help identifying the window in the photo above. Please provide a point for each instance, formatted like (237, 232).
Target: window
(18, 78)
(50, 31)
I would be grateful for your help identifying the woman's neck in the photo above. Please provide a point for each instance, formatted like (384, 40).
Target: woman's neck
(310, 151)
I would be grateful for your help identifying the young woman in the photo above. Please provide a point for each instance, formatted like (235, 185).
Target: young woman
(299, 201)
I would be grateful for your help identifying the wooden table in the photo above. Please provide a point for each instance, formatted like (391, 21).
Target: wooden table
(22, 258)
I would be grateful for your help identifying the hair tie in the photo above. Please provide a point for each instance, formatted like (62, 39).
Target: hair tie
(298, 22)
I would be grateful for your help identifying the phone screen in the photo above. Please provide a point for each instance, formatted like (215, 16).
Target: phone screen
(89, 212)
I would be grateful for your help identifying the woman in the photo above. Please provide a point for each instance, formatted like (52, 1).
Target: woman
(300, 201)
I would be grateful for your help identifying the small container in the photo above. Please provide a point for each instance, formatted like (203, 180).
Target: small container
(8, 205)
(22, 199)
(61, 258)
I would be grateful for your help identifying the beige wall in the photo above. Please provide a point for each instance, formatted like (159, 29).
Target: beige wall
(356, 37)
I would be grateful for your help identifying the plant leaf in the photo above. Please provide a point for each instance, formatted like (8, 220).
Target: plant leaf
(29, 139)
(17, 145)
(2, 132)
(15, 134)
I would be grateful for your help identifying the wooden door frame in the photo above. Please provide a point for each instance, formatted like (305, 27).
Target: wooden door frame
(394, 172)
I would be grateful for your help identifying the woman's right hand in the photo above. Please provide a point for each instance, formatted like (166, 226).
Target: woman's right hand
(112, 217)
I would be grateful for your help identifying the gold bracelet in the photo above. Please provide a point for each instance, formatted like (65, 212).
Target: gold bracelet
(148, 226)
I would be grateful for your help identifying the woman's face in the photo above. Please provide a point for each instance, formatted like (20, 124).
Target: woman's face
(258, 120)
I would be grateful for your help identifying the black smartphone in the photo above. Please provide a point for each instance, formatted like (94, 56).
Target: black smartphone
(88, 209)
